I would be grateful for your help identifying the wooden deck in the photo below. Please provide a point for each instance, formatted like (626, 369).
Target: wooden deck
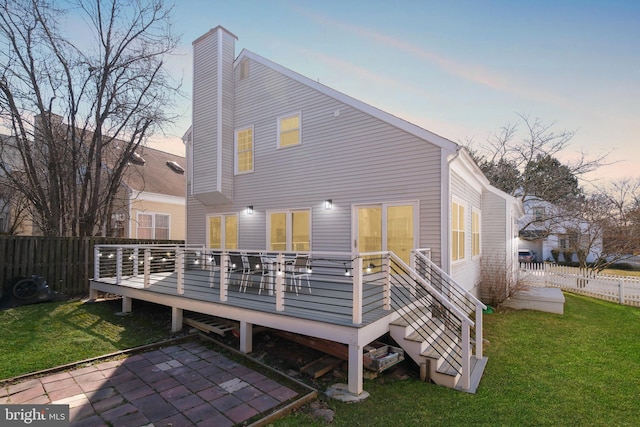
(338, 297)
(327, 302)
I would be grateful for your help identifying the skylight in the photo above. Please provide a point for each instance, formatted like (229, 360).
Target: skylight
(137, 159)
(175, 166)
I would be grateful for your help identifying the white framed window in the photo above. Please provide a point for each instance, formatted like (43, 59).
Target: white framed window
(222, 231)
(244, 150)
(290, 130)
(538, 213)
(476, 229)
(289, 230)
(457, 231)
(153, 226)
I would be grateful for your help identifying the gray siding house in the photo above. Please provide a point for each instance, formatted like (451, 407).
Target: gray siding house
(268, 138)
(312, 212)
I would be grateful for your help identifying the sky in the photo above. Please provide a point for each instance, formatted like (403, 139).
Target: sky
(460, 69)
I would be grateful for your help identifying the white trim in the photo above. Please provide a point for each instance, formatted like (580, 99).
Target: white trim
(156, 197)
(445, 214)
(463, 166)
(431, 137)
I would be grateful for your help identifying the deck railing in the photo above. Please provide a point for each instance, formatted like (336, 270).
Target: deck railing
(332, 287)
(423, 290)
(358, 287)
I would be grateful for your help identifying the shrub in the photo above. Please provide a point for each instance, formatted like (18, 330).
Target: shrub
(568, 256)
(555, 253)
(496, 285)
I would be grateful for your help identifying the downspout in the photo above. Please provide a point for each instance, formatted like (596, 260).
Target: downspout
(445, 255)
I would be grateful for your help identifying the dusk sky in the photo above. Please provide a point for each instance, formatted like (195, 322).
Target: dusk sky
(460, 69)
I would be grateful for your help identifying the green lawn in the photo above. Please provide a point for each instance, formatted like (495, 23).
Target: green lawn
(582, 368)
(42, 336)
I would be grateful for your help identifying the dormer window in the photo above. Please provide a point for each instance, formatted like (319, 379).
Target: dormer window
(175, 166)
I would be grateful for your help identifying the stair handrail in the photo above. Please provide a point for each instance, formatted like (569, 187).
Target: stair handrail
(465, 322)
(479, 305)
(463, 317)
(457, 285)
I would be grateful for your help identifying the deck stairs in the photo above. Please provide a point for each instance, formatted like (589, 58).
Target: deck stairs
(430, 328)
(438, 353)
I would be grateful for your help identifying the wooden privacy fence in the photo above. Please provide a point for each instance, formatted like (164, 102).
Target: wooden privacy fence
(65, 262)
(610, 287)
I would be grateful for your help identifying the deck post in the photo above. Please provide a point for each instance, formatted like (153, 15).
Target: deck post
(280, 283)
(126, 304)
(210, 262)
(176, 319)
(386, 298)
(134, 258)
(118, 265)
(246, 336)
(465, 375)
(224, 285)
(357, 291)
(96, 262)
(180, 271)
(479, 331)
(355, 369)
(147, 267)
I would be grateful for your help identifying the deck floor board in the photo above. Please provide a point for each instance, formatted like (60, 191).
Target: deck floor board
(328, 302)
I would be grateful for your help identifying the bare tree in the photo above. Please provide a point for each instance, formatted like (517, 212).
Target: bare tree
(525, 164)
(606, 224)
(78, 112)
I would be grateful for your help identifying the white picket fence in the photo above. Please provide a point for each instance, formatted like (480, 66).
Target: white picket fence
(610, 287)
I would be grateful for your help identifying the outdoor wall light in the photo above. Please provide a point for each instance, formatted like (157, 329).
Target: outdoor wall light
(370, 267)
(328, 204)
(250, 210)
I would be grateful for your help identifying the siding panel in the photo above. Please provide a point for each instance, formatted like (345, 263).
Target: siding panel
(348, 156)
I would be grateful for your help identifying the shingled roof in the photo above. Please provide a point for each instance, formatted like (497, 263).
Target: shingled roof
(156, 171)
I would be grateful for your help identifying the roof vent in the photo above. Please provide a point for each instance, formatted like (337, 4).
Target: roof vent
(175, 166)
(137, 159)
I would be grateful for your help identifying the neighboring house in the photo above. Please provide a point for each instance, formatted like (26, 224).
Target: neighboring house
(266, 137)
(13, 208)
(286, 169)
(152, 202)
(545, 228)
(149, 205)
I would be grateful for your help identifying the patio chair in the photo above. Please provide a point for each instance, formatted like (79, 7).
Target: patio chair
(237, 266)
(213, 261)
(257, 267)
(301, 267)
(213, 265)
